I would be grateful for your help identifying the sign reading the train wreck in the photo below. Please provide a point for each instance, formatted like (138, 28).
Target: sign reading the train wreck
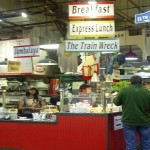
(94, 45)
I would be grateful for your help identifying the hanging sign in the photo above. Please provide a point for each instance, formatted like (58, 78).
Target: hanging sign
(91, 29)
(17, 67)
(94, 45)
(82, 10)
(26, 51)
(14, 66)
(142, 17)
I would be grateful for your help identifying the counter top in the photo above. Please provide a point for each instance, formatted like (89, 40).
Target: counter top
(88, 114)
(28, 121)
(48, 121)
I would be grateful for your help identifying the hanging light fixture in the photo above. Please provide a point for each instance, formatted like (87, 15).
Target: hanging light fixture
(23, 14)
(49, 46)
(130, 55)
(95, 77)
(47, 61)
(4, 62)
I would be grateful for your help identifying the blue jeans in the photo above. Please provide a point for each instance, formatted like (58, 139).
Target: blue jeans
(130, 134)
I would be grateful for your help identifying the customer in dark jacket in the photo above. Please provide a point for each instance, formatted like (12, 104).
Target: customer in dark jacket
(135, 101)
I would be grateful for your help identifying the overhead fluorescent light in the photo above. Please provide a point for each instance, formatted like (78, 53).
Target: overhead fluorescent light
(108, 52)
(24, 15)
(49, 46)
(47, 61)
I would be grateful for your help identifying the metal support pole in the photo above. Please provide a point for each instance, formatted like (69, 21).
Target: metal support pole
(103, 100)
(61, 100)
(4, 96)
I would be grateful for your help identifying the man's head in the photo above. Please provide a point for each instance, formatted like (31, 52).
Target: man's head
(136, 80)
(85, 88)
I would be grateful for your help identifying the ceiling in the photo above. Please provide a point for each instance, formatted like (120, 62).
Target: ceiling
(54, 13)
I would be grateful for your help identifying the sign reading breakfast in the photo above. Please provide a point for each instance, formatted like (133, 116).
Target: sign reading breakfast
(26, 51)
(92, 29)
(79, 10)
(96, 45)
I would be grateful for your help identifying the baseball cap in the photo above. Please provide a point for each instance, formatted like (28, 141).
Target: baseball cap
(31, 87)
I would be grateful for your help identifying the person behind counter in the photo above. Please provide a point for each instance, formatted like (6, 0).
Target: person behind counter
(84, 92)
(31, 102)
(85, 89)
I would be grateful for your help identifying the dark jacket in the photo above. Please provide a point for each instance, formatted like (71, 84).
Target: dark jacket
(135, 101)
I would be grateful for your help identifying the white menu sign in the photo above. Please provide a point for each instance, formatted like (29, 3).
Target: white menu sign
(79, 10)
(26, 51)
(94, 45)
(91, 29)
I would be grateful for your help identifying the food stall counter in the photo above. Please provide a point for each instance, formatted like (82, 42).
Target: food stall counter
(72, 131)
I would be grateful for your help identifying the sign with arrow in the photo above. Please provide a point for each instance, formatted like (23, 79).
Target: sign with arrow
(142, 17)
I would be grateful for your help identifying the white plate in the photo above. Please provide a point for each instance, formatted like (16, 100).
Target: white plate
(22, 119)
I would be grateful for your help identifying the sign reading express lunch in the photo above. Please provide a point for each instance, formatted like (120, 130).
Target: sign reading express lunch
(81, 25)
(81, 10)
(96, 45)
(92, 29)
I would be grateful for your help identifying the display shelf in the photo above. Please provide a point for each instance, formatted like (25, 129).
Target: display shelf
(69, 77)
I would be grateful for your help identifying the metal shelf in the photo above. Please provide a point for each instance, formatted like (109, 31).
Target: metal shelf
(69, 78)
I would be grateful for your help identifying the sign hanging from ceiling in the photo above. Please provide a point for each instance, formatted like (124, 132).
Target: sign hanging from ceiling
(142, 17)
(17, 67)
(14, 67)
(93, 45)
(91, 29)
(26, 51)
(79, 10)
